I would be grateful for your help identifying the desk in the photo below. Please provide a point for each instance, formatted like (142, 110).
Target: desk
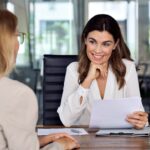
(91, 142)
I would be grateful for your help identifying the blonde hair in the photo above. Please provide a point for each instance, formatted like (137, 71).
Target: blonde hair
(8, 25)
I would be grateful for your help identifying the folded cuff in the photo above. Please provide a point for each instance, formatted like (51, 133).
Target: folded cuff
(82, 91)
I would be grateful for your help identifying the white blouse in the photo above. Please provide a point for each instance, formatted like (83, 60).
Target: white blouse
(70, 110)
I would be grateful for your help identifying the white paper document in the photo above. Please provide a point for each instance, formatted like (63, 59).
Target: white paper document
(113, 113)
(70, 131)
(119, 132)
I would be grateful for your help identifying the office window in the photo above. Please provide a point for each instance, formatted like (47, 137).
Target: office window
(53, 30)
(20, 11)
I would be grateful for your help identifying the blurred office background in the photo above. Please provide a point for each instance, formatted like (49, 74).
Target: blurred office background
(55, 26)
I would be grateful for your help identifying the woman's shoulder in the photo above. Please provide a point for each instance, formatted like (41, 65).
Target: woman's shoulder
(18, 93)
(128, 63)
(16, 86)
(73, 66)
(72, 69)
(130, 67)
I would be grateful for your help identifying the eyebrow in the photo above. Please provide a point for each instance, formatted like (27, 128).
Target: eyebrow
(102, 42)
(92, 39)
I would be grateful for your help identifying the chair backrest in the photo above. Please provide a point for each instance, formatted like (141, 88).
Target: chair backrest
(144, 83)
(53, 81)
(26, 75)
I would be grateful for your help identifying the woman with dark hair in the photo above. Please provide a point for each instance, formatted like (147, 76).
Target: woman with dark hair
(105, 71)
(18, 103)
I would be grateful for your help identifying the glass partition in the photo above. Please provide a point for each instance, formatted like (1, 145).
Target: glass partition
(54, 29)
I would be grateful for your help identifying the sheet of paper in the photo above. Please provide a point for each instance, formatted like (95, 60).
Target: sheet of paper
(112, 113)
(131, 131)
(70, 131)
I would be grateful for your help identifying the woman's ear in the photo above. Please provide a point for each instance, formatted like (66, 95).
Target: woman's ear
(116, 44)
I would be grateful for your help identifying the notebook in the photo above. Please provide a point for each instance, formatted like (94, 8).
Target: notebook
(126, 132)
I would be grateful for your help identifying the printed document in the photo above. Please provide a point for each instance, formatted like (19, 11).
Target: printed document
(70, 131)
(112, 113)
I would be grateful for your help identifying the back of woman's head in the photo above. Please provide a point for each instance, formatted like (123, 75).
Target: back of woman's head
(8, 25)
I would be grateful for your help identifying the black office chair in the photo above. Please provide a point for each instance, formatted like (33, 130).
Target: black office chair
(26, 75)
(53, 81)
(144, 83)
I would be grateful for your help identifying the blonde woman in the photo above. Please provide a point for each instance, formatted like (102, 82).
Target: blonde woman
(18, 103)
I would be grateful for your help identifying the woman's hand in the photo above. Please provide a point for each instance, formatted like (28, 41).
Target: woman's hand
(56, 136)
(138, 119)
(93, 72)
(44, 140)
(96, 71)
(68, 143)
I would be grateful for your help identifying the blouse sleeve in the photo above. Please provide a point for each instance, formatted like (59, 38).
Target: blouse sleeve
(20, 122)
(132, 89)
(70, 109)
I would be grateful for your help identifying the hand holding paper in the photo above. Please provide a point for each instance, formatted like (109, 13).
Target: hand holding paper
(113, 113)
(138, 119)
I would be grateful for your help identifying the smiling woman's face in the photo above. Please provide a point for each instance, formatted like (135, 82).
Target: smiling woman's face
(99, 46)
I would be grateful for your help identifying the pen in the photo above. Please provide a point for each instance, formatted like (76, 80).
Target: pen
(120, 133)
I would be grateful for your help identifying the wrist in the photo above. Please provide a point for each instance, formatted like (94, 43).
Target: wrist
(86, 83)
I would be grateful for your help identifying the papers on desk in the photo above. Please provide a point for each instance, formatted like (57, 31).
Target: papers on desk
(112, 113)
(128, 132)
(70, 131)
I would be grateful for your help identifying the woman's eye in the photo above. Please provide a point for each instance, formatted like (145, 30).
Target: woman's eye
(92, 42)
(106, 44)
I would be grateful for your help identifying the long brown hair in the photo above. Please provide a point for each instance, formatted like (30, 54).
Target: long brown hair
(103, 22)
(8, 25)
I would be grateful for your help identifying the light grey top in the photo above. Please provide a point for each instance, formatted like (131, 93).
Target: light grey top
(18, 117)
